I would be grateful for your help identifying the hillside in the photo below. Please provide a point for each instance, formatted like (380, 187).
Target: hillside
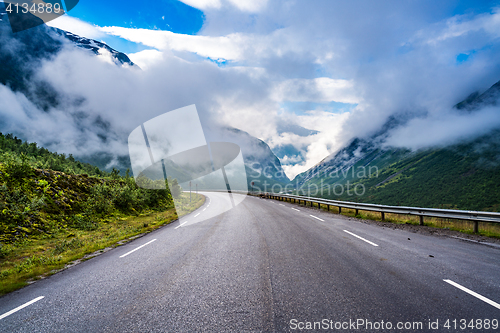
(22, 53)
(463, 176)
(261, 164)
(12, 148)
(36, 199)
(42, 43)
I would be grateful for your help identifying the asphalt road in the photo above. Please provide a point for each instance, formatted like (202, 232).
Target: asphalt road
(268, 266)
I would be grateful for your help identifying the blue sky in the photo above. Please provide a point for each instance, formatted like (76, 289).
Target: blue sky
(171, 15)
(168, 15)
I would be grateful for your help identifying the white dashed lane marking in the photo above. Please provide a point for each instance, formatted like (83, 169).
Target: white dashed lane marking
(21, 307)
(482, 298)
(126, 254)
(350, 233)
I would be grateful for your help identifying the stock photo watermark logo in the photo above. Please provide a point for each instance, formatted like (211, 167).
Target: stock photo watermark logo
(172, 150)
(27, 14)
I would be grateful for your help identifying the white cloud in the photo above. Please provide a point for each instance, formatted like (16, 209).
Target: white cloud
(319, 90)
(462, 25)
(203, 4)
(376, 55)
(77, 26)
(249, 49)
(249, 5)
(225, 47)
(444, 128)
(243, 5)
(147, 58)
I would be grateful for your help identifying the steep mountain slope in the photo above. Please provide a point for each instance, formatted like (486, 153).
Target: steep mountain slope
(98, 48)
(461, 176)
(476, 101)
(262, 166)
(21, 55)
(359, 159)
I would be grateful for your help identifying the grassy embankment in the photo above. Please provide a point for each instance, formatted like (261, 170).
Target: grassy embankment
(50, 218)
(38, 256)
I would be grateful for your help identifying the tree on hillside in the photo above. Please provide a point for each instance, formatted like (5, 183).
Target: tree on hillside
(175, 188)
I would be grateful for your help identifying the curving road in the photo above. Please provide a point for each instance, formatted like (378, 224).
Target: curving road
(268, 266)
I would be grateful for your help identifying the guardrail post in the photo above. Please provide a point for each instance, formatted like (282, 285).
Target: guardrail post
(472, 216)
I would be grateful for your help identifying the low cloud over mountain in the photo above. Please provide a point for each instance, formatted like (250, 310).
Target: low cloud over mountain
(354, 65)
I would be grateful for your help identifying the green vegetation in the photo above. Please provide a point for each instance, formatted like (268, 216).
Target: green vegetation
(13, 149)
(36, 256)
(464, 176)
(49, 218)
(35, 201)
(463, 226)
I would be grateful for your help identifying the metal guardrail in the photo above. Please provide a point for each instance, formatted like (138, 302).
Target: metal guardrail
(473, 216)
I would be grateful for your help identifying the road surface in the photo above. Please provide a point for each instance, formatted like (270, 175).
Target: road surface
(268, 266)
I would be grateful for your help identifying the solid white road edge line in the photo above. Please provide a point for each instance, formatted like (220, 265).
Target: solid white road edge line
(180, 225)
(20, 307)
(482, 298)
(350, 233)
(296, 209)
(317, 218)
(126, 254)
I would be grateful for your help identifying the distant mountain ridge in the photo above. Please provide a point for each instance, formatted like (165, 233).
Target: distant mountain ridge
(263, 167)
(476, 101)
(21, 55)
(97, 48)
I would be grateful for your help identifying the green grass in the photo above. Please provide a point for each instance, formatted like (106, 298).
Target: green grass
(49, 218)
(464, 226)
(39, 256)
(459, 177)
